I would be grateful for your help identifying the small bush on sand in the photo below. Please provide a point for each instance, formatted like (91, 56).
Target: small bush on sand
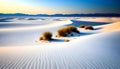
(63, 32)
(67, 40)
(56, 35)
(46, 36)
(41, 38)
(89, 27)
(73, 29)
(81, 26)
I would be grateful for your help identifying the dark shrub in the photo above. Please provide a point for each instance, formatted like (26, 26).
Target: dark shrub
(72, 29)
(41, 38)
(67, 40)
(56, 36)
(89, 27)
(46, 36)
(63, 32)
(81, 26)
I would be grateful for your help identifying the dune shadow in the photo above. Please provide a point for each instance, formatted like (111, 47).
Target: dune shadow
(16, 25)
(85, 33)
(32, 19)
(5, 20)
(98, 28)
(58, 40)
(42, 19)
(57, 20)
(82, 34)
(77, 23)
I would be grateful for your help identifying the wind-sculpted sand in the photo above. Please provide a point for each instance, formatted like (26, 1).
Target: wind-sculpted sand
(20, 47)
(18, 27)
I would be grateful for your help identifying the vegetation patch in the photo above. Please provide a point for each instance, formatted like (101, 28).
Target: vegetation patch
(81, 26)
(89, 27)
(67, 40)
(46, 36)
(63, 32)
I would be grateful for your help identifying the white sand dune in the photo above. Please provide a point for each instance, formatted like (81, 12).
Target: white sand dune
(100, 19)
(96, 51)
(111, 27)
(93, 49)
(32, 27)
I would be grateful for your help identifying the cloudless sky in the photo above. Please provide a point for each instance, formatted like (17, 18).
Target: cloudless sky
(59, 6)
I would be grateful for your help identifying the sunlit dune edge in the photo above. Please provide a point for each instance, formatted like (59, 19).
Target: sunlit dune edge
(111, 27)
(100, 19)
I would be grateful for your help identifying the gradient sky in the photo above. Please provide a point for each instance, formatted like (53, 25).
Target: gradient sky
(59, 6)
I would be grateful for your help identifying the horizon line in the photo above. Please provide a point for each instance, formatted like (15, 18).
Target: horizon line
(59, 13)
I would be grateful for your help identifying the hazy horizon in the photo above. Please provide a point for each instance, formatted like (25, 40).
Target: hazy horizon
(59, 6)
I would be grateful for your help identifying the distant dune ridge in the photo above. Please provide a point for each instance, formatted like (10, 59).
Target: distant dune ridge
(66, 15)
(20, 47)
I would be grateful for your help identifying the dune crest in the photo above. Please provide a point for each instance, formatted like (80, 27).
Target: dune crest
(111, 27)
(100, 19)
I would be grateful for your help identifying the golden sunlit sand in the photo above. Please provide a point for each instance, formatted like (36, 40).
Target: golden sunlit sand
(112, 27)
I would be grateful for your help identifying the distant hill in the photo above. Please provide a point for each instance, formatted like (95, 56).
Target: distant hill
(15, 14)
(66, 15)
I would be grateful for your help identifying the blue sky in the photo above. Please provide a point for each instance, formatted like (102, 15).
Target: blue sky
(62, 6)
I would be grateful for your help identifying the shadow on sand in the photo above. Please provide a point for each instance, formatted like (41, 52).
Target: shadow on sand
(58, 40)
(75, 35)
(77, 23)
(5, 19)
(85, 33)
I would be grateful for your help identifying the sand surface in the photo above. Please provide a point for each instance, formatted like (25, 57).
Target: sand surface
(91, 49)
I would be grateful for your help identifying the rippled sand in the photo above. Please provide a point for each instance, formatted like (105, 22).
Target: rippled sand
(92, 49)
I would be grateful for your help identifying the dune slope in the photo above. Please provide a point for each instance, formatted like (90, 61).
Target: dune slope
(111, 27)
(96, 51)
(92, 49)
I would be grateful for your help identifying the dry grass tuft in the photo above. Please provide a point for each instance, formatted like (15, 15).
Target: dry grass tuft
(46, 36)
(67, 40)
(81, 26)
(63, 32)
(89, 27)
